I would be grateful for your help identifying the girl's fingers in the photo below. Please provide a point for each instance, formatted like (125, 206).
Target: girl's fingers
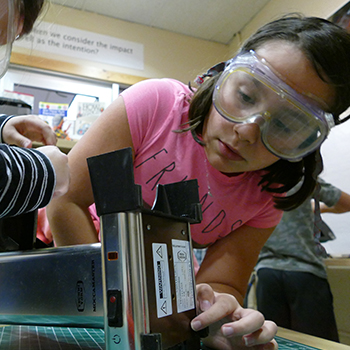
(213, 307)
(262, 336)
(245, 321)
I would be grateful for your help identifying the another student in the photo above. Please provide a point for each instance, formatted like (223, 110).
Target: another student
(250, 133)
(29, 178)
(292, 288)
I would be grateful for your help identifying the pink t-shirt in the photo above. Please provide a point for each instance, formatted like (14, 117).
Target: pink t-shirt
(157, 107)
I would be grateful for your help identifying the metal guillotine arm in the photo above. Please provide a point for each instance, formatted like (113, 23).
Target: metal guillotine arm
(149, 289)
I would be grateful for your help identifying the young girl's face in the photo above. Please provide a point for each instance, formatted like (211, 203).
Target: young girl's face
(233, 147)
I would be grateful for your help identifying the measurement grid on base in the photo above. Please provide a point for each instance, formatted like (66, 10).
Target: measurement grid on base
(50, 338)
(285, 344)
(61, 338)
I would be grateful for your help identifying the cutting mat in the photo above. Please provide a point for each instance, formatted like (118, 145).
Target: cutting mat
(50, 338)
(61, 338)
(285, 344)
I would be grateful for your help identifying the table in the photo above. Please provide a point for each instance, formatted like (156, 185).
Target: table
(61, 338)
(288, 339)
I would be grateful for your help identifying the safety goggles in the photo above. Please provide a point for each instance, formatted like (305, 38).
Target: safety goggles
(7, 32)
(292, 124)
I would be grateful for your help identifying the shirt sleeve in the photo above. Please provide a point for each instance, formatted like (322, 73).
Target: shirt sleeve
(150, 105)
(3, 119)
(329, 194)
(27, 180)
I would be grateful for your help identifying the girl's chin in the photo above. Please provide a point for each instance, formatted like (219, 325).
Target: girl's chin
(226, 169)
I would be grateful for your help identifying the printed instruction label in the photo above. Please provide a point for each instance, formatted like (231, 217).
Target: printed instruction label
(162, 279)
(183, 275)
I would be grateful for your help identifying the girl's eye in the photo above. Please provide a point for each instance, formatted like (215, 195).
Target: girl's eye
(281, 126)
(247, 99)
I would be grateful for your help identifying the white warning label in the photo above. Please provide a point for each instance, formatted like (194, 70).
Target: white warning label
(183, 275)
(162, 279)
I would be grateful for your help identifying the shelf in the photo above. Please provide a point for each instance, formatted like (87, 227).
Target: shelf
(64, 145)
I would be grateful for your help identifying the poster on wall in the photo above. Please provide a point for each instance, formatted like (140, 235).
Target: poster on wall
(27, 98)
(54, 114)
(88, 112)
(82, 44)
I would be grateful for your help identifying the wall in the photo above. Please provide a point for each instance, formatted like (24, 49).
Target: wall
(165, 54)
(338, 271)
(277, 8)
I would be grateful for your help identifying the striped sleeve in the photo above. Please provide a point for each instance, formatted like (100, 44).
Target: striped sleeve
(27, 178)
(3, 119)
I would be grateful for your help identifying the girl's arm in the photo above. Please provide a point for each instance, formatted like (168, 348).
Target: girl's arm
(342, 206)
(29, 178)
(69, 218)
(229, 262)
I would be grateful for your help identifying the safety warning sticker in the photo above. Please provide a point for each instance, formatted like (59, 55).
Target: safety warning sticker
(183, 275)
(162, 279)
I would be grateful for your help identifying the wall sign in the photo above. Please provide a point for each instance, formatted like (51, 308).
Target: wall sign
(67, 41)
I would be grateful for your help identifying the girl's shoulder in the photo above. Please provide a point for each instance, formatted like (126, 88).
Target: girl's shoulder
(155, 88)
(154, 100)
(155, 108)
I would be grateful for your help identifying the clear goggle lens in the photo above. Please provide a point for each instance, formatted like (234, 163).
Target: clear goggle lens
(290, 127)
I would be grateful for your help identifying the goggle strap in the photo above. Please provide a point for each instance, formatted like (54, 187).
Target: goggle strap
(211, 72)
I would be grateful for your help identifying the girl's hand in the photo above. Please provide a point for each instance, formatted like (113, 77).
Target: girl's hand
(22, 130)
(231, 327)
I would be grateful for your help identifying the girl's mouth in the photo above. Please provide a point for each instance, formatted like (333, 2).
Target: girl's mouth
(228, 152)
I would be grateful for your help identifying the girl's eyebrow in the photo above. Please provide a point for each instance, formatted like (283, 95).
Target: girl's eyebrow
(258, 84)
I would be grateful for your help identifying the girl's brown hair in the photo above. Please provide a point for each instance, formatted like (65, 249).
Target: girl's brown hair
(327, 46)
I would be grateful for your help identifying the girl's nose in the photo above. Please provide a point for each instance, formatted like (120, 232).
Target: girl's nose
(249, 132)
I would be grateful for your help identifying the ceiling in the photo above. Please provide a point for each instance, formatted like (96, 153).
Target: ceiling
(213, 20)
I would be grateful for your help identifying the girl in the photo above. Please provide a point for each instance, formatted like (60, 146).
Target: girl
(249, 133)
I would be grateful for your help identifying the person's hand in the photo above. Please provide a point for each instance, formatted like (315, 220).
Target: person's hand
(59, 161)
(231, 327)
(22, 130)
